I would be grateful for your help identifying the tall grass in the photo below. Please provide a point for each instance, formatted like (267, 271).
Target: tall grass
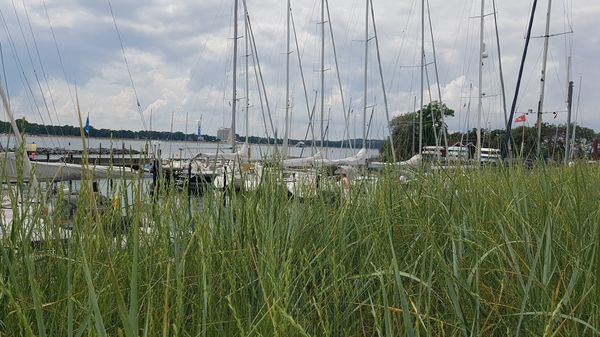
(491, 252)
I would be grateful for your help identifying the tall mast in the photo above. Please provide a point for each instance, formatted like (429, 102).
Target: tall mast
(234, 90)
(572, 140)
(385, 101)
(480, 103)
(199, 128)
(422, 74)
(569, 110)
(412, 149)
(502, 86)
(287, 83)
(567, 136)
(439, 89)
(322, 70)
(187, 114)
(337, 72)
(247, 89)
(505, 141)
(364, 142)
(543, 80)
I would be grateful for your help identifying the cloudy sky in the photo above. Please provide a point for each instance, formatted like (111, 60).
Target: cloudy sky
(180, 53)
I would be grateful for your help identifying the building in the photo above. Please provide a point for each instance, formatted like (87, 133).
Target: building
(224, 134)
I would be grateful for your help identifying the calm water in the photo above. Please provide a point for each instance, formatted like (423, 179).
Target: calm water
(171, 149)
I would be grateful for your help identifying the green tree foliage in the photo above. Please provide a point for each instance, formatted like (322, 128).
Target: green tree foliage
(524, 140)
(72, 131)
(405, 130)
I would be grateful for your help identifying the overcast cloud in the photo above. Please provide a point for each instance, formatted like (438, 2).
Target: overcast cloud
(180, 58)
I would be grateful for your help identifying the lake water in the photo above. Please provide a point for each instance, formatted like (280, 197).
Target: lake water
(171, 149)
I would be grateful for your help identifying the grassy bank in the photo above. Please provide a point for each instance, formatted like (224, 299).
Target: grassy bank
(494, 252)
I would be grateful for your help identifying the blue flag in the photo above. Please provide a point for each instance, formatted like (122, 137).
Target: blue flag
(86, 128)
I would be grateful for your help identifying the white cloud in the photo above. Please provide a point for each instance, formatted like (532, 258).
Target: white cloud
(179, 54)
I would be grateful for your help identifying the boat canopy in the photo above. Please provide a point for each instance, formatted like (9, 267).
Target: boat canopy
(242, 154)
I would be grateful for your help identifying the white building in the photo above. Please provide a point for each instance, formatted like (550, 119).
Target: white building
(224, 134)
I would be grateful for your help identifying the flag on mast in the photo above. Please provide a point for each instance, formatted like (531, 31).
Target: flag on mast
(520, 119)
(87, 126)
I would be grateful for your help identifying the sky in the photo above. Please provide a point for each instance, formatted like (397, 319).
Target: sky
(175, 57)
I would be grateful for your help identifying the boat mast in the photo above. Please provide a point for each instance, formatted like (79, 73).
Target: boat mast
(567, 136)
(505, 142)
(480, 103)
(439, 89)
(412, 149)
(234, 90)
(422, 75)
(572, 140)
(385, 101)
(187, 115)
(543, 80)
(337, 71)
(287, 83)
(569, 110)
(247, 89)
(200, 128)
(502, 86)
(322, 70)
(365, 81)
(309, 111)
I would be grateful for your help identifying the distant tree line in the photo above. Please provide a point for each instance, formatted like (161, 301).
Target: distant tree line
(405, 133)
(524, 140)
(73, 131)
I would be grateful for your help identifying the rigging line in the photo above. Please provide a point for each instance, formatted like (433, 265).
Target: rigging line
(431, 106)
(37, 50)
(350, 22)
(504, 149)
(467, 56)
(558, 79)
(260, 96)
(347, 117)
(139, 106)
(203, 43)
(385, 99)
(402, 41)
(59, 54)
(262, 82)
(302, 74)
(530, 78)
(21, 72)
(437, 78)
(310, 127)
(369, 126)
(337, 69)
(31, 62)
(568, 37)
(460, 23)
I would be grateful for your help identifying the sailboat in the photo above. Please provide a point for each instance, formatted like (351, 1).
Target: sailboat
(237, 170)
(305, 178)
(17, 168)
(300, 180)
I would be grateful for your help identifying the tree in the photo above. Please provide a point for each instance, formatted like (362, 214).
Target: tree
(405, 130)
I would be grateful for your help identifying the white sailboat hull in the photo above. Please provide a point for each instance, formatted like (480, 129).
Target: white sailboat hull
(58, 171)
